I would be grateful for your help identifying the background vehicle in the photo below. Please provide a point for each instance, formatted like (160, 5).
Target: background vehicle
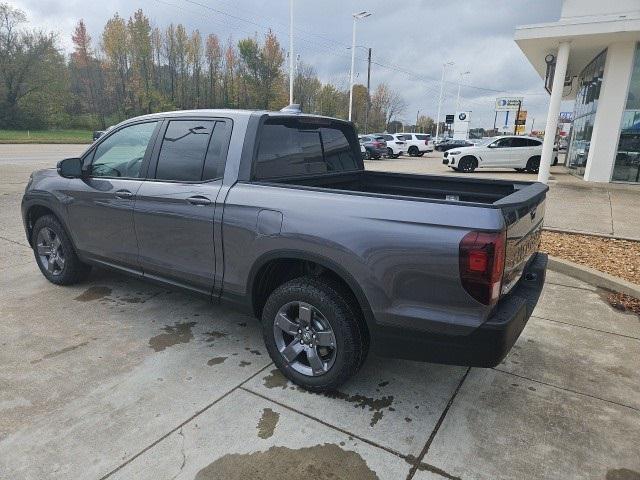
(418, 143)
(396, 145)
(451, 143)
(518, 152)
(275, 214)
(375, 146)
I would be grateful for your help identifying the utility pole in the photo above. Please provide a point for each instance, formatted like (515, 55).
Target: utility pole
(366, 114)
(356, 17)
(515, 126)
(291, 60)
(417, 117)
(444, 67)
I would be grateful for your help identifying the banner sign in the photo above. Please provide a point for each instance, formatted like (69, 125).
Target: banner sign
(566, 117)
(449, 119)
(508, 104)
(522, 118)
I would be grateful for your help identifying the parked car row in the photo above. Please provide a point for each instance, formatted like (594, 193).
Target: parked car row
(391, 145)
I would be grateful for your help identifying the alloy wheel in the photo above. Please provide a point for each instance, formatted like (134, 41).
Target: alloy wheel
(50, 252)
(305, 339)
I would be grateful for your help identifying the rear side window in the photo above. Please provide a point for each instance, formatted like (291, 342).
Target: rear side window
(217, 151)
(183, 150)
(289, 148)
(422, 137)
(520, 142)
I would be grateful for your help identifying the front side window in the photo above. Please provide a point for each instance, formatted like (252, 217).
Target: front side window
(289, 148)
(503, 143)
(183, 150)
(122, 153)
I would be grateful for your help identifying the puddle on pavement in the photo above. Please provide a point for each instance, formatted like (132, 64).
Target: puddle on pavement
(321, 462)
(59, 352)
(216, 361)
(175, 334)
(267, 423)
(622, 474)
(93, 293)
(275, 379)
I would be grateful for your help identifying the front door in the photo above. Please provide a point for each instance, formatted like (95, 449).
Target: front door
(100, 205)
(175, 208)
(498, 153)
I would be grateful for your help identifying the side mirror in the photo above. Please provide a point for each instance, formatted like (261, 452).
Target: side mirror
(70, 168)
(492, 145)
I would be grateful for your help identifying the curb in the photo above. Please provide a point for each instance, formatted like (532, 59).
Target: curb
(590, 234)
(593, 276)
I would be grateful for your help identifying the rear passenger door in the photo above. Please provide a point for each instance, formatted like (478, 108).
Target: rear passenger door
(523, 150)
(175, 207)
(498, 153)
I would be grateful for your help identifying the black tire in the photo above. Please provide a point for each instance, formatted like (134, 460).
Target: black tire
(336, 306)
(413, 151)
(533, 164)
(467, 164)
(65, 268)
(367, 155)
(520, 170)
(555, 161)
(420, 154)
(390, 152)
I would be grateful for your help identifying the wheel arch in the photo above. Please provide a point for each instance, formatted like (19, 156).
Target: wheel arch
(257, 291)
(34, 211)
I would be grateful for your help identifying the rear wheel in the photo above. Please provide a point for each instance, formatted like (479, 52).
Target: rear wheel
(467, 164)
(413, 151)
(55, 254)
(533, 164)
(367, 155)
(311, 331)
(390, 152)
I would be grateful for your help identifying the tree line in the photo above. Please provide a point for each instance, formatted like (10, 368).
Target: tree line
(133, 67)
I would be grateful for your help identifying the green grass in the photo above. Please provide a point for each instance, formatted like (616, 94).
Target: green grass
(45, 136)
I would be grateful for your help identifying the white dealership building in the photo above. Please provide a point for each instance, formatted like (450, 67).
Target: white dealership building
(592, 55)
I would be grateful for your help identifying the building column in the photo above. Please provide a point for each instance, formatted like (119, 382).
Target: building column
(554, 111)
(607, 123)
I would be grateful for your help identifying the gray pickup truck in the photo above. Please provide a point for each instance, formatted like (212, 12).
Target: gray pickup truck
(275, 213)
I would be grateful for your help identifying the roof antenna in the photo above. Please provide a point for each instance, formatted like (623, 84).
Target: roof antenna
(293, 108)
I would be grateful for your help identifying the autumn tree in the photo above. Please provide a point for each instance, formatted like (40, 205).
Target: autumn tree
(115, 44)
(213, 54)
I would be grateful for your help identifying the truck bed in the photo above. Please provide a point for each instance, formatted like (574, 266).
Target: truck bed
(495, 193)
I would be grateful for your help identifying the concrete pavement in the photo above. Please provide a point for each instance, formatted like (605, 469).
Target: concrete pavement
(117, 378)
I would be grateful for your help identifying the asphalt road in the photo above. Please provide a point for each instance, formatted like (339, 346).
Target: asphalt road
(120, 379)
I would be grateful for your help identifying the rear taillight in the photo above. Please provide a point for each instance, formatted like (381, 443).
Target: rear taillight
(482, 265)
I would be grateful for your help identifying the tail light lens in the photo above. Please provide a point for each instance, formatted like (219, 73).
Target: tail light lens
(482, 265)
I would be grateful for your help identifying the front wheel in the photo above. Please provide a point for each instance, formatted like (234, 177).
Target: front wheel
(413, 151)
(311, 331)
(55, 254)
(467, 164)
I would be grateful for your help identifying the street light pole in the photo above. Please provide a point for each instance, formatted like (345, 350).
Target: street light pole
(356, 17)
(366, 113)
(291, 52)
(444, 67)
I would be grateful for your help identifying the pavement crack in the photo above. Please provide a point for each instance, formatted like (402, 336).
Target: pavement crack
(418, 461)
(184, 456)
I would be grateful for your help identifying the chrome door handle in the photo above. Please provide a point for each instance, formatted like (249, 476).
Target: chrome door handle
(124, 194)
(199, 201)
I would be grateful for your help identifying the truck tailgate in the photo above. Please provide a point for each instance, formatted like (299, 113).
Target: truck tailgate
(524, 215)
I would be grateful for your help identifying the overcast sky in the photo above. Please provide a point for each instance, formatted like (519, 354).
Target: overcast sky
(410, 41)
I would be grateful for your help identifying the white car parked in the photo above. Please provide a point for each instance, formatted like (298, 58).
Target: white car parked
(396, 145)
(518, 152)
(418, 143)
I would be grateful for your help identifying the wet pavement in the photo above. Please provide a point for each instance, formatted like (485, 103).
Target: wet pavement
(121, 379)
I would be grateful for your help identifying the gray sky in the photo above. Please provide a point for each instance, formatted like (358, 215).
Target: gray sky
(410, 41)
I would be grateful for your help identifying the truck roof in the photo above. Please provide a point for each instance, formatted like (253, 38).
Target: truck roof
(228, 113)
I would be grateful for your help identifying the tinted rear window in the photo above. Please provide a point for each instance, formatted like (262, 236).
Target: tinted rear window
(422, 137)
(288, 148)
(183, 150)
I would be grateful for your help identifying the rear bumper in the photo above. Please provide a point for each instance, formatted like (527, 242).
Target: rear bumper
(484, 347)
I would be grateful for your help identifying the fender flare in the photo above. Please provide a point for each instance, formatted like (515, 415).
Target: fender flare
(361, 298)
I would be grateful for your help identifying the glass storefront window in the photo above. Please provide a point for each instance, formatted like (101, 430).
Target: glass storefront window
(584, 113)
(627, 164)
